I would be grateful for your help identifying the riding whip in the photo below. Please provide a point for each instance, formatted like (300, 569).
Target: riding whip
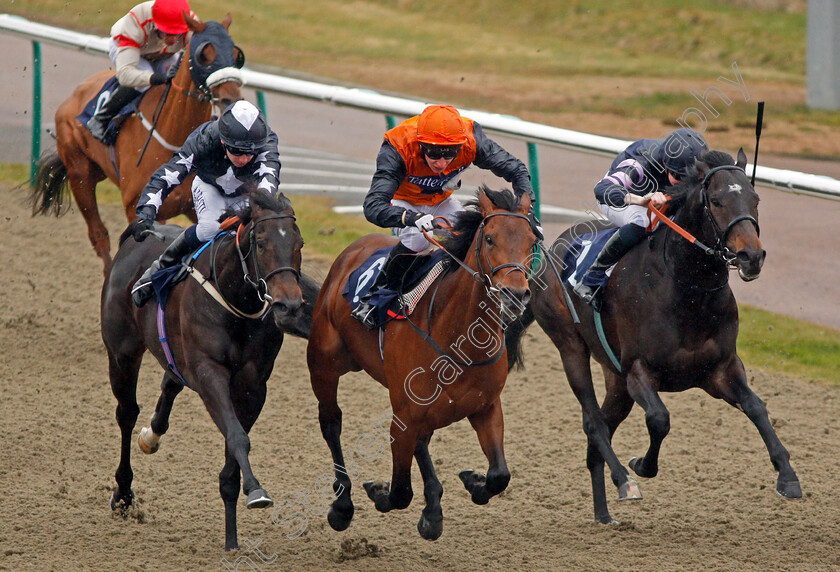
(759, 119)
(155, 118)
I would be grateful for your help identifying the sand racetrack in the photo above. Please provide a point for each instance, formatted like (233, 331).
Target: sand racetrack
(712, 507)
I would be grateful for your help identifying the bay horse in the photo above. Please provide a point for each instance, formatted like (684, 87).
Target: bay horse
(445, 362)
(223, 350)
(669, 319)
(81, 161)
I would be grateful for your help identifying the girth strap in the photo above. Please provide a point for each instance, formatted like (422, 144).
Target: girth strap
(205, 283)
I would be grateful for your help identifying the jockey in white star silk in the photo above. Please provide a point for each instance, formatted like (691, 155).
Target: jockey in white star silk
(228, 156)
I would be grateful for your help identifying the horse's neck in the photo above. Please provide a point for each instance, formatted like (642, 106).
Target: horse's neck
(182, 112)
(229, 277)
(686, 262)
(469, 318)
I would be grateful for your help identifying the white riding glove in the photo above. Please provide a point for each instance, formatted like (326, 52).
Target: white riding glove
(425, 222)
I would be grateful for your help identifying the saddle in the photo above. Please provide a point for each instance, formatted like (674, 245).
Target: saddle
(390, 304)
(114, 126)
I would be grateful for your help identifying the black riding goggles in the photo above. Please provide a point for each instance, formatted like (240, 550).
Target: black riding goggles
(239, 152)
(435, 152)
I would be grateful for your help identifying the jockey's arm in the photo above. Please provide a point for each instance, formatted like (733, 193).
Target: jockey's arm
(491, 156)
(267, 165)
(172, 173)
(390, 173)
(128, 74)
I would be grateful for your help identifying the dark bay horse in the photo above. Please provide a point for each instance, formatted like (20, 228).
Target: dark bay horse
(459, 373)
(81, 161)
(225, 353)
(670, 319)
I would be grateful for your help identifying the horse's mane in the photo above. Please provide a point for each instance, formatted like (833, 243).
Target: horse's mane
(277, 202)
(679, 192)
(470, 219)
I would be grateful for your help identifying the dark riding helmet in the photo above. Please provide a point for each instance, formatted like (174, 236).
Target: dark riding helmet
(243, 128)
(679, 150)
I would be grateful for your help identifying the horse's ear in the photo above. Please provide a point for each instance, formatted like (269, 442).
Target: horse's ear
(524, 204)
(702, 168)
(197, 26)
(742, 158)
(226, 21)
(485, 203)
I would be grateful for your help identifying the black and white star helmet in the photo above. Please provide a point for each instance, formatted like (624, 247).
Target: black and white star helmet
(243, 128)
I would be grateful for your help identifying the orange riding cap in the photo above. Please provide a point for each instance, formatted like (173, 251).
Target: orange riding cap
(422, 186)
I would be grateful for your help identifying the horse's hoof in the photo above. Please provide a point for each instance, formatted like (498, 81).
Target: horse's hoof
(147, 441)
(339, 520)
(379, 493)
(428, 529)
(258, 498)
(629, 490)
(789, 490)
(120, 501)
(636, 466)
(606, 520)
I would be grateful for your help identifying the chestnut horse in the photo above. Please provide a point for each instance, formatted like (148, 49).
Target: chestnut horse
(223, 350)
(670, 321)
(81, 161)
(445, 362)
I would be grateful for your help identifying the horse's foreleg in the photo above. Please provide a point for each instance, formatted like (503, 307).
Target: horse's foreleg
(229, 491)
(216, 394)
(738, 394)
(123, 374)
(149, 438)
(430, 525)
(398, 493)
(489, 426)
(640, 386)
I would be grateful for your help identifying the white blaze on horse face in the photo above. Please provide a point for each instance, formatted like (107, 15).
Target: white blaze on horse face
(735, 188)
(282, 232)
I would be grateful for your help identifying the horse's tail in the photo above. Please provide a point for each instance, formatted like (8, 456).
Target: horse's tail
(50, 191)
(310, 289)
(513, 338)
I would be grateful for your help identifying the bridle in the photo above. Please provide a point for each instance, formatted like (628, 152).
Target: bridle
(481, 275)
(721, 250)
(259, 281)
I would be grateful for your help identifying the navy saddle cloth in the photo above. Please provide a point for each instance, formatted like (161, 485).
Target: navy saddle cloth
(363, 277)
(99, 100)
(580, 256)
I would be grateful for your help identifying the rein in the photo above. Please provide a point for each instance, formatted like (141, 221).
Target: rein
(481, 276)
(720, 251)
(259, 284)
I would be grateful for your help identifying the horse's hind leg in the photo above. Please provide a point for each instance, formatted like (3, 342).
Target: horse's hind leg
(736, 391)
(640, 386)
(83, 177)
(149, 438)
(123, 372)
(489, 426)
(430, 525)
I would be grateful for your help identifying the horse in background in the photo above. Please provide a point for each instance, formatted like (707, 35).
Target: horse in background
(81, 161)
(670, 323)
(444, 362)
(224, 330)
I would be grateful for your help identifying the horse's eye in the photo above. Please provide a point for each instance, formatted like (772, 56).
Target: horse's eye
(260, 245)
(489, 240)
(716, 202)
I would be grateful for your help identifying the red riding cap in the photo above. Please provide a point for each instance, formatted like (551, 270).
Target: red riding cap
(167, 16)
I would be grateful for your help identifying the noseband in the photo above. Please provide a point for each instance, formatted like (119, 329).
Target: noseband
(259, 282)
(721, 250)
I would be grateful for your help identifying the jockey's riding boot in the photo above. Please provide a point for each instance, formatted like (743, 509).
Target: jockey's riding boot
(143, 291)
(391, 275)
(120, 97)
(616, 247)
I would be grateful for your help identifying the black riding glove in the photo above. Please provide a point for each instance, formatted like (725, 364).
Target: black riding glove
(159, 78)
(145, 222)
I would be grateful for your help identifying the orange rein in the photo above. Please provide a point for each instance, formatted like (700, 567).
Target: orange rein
(677, 228)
